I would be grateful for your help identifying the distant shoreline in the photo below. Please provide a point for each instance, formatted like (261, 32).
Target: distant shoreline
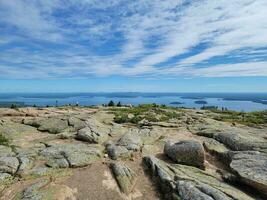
(233, 101)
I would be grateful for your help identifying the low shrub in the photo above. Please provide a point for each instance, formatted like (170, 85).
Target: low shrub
(3, 140)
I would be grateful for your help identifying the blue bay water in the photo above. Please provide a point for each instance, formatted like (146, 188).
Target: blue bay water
(238, 102)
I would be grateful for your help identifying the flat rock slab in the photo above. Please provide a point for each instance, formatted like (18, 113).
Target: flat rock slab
(14, 130)
(52, 125)
(251, 167)
(242, 141)
(70, 155)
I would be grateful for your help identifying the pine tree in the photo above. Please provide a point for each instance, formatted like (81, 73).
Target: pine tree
(111, 103)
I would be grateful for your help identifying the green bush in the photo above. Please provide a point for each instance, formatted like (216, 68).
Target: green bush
(3, 140)
(247, 118)
(122, 118)
(13, 106)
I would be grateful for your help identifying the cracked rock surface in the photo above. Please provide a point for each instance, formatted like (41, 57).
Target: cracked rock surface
(171, 154)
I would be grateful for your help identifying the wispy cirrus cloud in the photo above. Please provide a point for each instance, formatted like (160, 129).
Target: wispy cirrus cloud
(54, 39)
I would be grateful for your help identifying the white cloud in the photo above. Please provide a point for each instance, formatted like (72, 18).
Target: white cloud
(63, 38)
(236, 70)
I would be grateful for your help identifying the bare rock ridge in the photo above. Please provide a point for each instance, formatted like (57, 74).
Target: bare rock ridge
(129, 154)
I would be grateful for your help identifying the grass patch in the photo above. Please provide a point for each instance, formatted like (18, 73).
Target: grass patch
(150, 112)
(257, 118)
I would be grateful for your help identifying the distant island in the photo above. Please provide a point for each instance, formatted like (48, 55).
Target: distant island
(188, 97)
(201, 102)
(176, 103)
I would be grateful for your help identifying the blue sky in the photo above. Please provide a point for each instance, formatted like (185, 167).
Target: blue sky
(125, 45)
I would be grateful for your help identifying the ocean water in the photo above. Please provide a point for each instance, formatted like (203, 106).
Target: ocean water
(238, 102)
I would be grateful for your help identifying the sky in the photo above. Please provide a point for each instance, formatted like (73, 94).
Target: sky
(126, 45)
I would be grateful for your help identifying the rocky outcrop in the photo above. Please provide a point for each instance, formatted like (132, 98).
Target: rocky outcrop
(235, 138)
(251, 168)
(124, 176)
(32, 156)
(186, 152)
(190, 183)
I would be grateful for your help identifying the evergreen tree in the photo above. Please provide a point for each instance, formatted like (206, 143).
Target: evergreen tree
(13, 106)
(119, 104)
(111, 103)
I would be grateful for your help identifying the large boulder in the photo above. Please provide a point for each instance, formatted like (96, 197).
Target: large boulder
(131, 141)
(9, 164)
(26, 159)
(186, 152)
(4, 177)
(94, 132)
(124, 176)
(251, 168)
(32, 192)
(92, 136)
(116, 152)
(190, 183)
(76, 123)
